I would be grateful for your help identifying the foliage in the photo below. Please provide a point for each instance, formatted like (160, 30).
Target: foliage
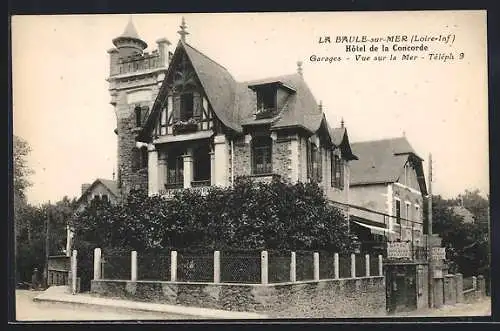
(21, 170)
(31, 237)
(467, 243)
(250, 215)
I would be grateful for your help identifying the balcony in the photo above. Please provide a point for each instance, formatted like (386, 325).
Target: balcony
(201, 186)
(188, 126)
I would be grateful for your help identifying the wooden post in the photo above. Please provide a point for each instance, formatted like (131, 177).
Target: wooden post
(216, 266)
(316, 265)
(263, 268)
(336, 265)
(173, 266)
(293, 267)
(367, 264)
(133, 266)
(73, 272)
(97, 263)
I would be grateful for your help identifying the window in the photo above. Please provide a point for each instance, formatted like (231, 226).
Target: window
(417, 213)
(187, 106)
(261, 155)
(137, 116)
(314, 169)
(266, 100)
(201, 164)
(175, 169)
(104, 198)
(337, 172)
(139, 158)
(398, 212)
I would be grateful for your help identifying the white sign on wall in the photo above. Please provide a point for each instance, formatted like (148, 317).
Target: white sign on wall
(398, 250)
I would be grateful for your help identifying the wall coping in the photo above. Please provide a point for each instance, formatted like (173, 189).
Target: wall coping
(238, 284)
(469, 290)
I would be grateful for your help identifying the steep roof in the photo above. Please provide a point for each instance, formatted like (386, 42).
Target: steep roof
(130, 31)
(111, 185)
(235, 104)
(463, 212)
(381, 161)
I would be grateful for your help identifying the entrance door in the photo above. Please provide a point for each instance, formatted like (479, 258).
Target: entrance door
(400, 288)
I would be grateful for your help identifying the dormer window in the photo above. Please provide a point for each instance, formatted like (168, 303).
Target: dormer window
(266, 100)
(271, 96)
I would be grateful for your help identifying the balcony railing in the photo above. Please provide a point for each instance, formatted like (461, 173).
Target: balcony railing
(198, 183)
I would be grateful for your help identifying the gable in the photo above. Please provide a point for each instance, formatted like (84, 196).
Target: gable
(383, 161)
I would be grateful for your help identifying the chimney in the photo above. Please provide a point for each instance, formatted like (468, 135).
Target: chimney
(299, 67)
(85, 187)
(163, 44)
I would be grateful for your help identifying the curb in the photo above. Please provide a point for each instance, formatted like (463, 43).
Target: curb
(148, 307)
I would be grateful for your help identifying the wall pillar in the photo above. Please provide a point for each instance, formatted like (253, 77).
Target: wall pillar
(221, 160)
(481, 286)
(367, 265)
(217, 267)
(380, 265)
(263, 268)
(459, 282)
(293, 267)
(316, 265)
(336, 265)
(74, 271)
(173, 266)
(153, 167)
(212, 168)
(162, 170)
(133, 266)
(353, 266)
(188, 168)
(97, 263)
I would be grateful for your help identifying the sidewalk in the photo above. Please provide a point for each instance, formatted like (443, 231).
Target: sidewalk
(481, 307)
(61, 294)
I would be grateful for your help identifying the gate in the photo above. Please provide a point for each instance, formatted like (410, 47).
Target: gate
(401, 291)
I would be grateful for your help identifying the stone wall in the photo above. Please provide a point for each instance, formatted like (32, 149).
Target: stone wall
(282, 162)
(356, 297)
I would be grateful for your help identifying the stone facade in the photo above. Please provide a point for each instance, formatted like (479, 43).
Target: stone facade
(135, 77)
(359, 297)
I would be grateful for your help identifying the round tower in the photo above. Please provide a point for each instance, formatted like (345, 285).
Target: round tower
(134, 81)
(129, 43)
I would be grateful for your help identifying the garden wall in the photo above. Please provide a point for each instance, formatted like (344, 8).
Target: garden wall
(350, 297)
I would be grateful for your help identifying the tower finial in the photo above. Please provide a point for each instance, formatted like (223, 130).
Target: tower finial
(320, 105)
(113, 173)
(342, 122)
(182, 32)
(299, 67)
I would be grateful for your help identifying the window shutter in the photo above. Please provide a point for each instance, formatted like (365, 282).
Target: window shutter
(177, 108)
(320, 165)
(197, 105)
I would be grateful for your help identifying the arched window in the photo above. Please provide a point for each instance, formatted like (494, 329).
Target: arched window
(262, 155)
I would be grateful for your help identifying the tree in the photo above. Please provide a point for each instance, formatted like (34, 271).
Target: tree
(21, 172)
(467, 245)
(250, 215)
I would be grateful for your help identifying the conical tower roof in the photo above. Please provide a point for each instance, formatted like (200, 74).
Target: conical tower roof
(130, 31)
(129, 35)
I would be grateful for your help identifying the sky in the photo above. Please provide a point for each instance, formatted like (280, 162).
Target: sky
(61, 99)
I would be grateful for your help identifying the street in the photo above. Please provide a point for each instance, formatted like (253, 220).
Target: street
(480, 308)
(29, 310)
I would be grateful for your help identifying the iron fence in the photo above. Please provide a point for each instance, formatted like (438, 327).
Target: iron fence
(279, 266)
(153, 265)
(345, 266)
(374, 265)
(468, 283)
(360, 265)
(240, 267)
(115, 264)
(195, 267)
(304, 265)
(326, 265)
